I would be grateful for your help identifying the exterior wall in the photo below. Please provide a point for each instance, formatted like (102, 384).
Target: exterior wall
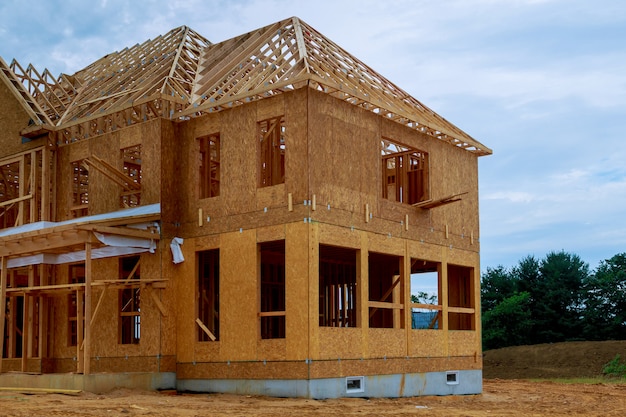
(338, 171)
(332, 195)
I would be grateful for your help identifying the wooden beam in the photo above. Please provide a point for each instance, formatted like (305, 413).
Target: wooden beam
(429, 204)
(206, 330)
(384, 297)
(95, 311)
(122, 231)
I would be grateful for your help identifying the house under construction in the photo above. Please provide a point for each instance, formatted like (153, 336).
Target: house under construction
(261, 215)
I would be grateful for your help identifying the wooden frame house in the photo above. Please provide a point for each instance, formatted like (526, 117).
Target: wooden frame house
(255, 216)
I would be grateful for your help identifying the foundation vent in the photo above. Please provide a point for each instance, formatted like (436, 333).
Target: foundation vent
(355, 384)
(452, 377)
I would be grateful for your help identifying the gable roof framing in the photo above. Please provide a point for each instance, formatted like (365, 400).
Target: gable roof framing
(181, 75)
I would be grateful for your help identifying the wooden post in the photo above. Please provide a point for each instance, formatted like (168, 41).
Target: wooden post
(45, 184)
(87, 349)
(3, 304)
(26, 319)
(80, 319)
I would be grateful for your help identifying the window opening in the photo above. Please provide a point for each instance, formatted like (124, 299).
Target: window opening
(14, 318)
(209, 169)
(405, 173)
(337, 287)
(385, 291)
(272, 272)
(9, 190)
(208, 295)
(461, 298)
(131, 167)
(80, 189)
(271, 134)
(130, 318)
(425, 294)
(76, 276)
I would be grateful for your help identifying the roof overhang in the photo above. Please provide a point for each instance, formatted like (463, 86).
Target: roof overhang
(123, 232)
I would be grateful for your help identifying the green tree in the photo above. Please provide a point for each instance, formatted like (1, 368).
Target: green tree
(604, 316)
(508, 323)
(497, 284)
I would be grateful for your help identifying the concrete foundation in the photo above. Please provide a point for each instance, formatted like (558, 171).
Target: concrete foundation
(96, 383)
(384, 386)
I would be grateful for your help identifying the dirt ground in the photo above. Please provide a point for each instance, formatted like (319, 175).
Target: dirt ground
(500, 397)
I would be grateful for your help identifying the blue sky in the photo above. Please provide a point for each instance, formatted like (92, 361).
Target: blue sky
(541, 82)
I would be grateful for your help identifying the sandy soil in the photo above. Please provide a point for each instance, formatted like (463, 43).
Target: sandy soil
(500, 398)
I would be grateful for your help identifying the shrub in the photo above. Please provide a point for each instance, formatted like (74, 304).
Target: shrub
(615, 367)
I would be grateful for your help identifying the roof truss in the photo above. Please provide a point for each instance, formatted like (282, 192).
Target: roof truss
(181, 75)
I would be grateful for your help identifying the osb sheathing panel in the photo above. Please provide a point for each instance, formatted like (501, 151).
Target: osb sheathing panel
(239, 325)
(344, 152)
(387, 343)
(463, 343)
(183, 277)
(173, 184)
(243, 370)
(238, 176)
(270, 197)
(151, 134)
(339, 236)
(387, 245)
(297, 155)
(340, 342)
(203, 351)
(13, 118)
(427, 343)
(271, 349)
(388, 366)
(104, 194)
(296, 291)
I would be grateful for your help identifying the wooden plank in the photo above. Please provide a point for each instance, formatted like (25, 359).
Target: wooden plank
(271, 313)
(98, 304)
(15, 200)
(3, 301)
(23, 390)
(122, 231)
(463, 310)
(377, 304)
(206, 330)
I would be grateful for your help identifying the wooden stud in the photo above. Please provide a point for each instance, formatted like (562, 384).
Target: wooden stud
(367, 213)
(290, 201)
(200, 217)
(313, 203)
(406, 222)
(447, 232)
(3, 301)
(88, 291)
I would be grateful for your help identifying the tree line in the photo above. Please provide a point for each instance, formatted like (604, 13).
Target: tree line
(553, 299)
